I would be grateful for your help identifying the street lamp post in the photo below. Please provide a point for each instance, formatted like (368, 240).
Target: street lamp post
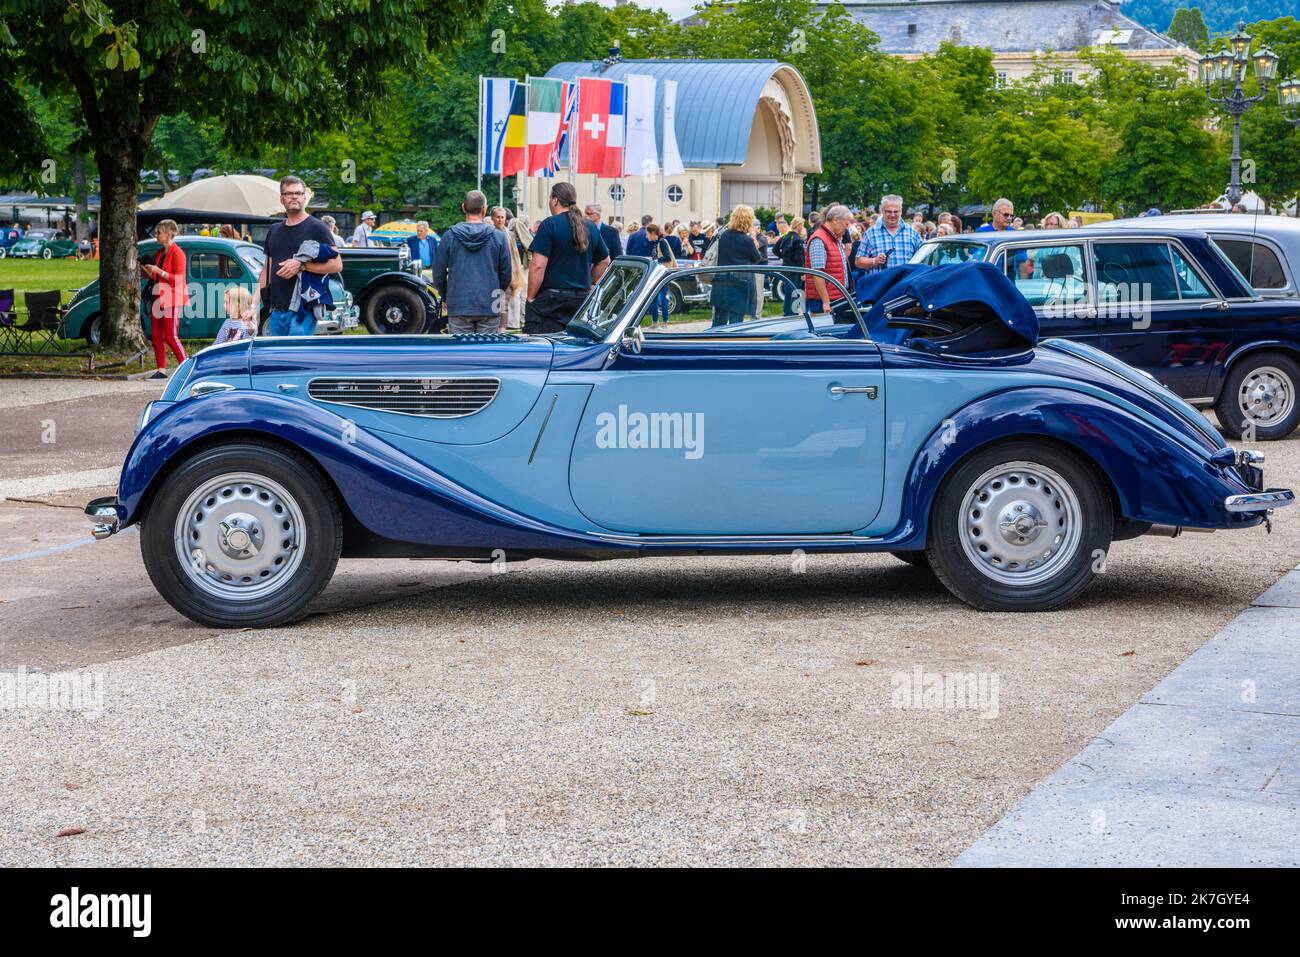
(1225, 71)
(1288, 95)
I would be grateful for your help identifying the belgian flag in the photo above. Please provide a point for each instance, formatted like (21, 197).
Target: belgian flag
(516, 146)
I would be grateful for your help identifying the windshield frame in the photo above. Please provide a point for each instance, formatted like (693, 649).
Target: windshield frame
(583, 330)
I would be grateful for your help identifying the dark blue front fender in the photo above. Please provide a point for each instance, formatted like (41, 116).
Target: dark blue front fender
(391, 494)
(1156, 478)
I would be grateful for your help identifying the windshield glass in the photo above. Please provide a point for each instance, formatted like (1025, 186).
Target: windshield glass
(600, 311)
(942, 253)
(252, 257)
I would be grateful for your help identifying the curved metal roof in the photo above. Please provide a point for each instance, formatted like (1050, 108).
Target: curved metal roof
(716, 101)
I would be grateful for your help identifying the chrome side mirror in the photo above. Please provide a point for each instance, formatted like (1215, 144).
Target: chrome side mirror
(634, 340)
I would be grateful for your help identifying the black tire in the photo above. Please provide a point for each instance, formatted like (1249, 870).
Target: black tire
(676, 301)
(47, 253)
(1020, 567)
(93, 330)
(394, 310)
(1273, 371)
(913, 558)
(4, 251)
(311, 516)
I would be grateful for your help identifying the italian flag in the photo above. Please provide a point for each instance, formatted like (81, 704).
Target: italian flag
(545, 100)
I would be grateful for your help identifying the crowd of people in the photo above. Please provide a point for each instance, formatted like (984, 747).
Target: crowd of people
(497, 273)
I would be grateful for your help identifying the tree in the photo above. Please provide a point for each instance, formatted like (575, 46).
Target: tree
(1188, 28)
(1038, 155)
(277, 72)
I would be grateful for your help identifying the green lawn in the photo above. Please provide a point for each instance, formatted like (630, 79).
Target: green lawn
(42, 275)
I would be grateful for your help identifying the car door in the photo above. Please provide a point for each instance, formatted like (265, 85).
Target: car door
(1054, 278)
(209, 273)
(769, 425)
(1159, 313)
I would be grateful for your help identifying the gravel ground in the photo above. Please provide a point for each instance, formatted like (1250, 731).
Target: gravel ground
(696, 711)
(714, 711)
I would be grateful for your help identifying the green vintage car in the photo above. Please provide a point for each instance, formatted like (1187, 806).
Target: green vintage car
(212, 265)
(392, 296)
(43, 244)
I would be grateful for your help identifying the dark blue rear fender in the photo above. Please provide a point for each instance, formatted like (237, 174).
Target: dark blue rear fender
(389, 493)
(1155, 478)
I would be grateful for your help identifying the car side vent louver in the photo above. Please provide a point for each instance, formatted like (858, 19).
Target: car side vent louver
(434, 398)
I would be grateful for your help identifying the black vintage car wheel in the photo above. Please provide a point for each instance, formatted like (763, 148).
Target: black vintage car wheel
(47, 253)
(394, 310)
(242, 535)
(1021, 526)
(93, 330)
(1260, 398)
(4, 251)
(676, 301)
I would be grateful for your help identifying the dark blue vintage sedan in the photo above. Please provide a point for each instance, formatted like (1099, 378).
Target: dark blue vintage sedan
(936, 427)
(1166, 301)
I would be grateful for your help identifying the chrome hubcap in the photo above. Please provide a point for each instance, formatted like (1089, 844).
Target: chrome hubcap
(240, 536)
(1021, 522)
(1267, 395)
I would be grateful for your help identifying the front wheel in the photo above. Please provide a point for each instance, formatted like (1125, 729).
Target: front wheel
(242, 535)
(394, 310)
(47, 253)
(1259, 398)
(1023, 526)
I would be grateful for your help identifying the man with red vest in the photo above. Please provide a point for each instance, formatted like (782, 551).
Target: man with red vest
(825, 252)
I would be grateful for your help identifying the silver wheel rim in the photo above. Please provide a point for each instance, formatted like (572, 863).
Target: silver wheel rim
(1266, 396)
(240, 536)
(1021, 523)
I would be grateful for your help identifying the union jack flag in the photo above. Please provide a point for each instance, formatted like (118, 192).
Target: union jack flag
(569, 98)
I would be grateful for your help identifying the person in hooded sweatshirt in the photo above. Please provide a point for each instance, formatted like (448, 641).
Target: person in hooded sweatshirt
(472, 270)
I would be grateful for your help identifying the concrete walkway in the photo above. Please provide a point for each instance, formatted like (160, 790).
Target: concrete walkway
(1203, 771)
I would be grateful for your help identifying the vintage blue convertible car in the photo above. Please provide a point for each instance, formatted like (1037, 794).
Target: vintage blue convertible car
(933, 426)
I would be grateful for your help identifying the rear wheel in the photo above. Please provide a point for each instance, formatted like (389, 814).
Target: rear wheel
(1259, 398)
(242, 535)
(394, 310)
(1019, 527)
(93, 330)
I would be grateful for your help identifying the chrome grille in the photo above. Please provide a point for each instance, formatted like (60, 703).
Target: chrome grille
(432, 397)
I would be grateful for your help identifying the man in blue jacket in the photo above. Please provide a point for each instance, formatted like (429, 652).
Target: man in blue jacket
(472, 270)
(638, 244)
(423, 245)
(607, 232)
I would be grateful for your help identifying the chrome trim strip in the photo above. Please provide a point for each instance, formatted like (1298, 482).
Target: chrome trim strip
(538, 440)
(832, 539)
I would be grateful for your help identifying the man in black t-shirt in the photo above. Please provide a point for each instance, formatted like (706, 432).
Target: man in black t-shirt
(559, 274)
(280, 273)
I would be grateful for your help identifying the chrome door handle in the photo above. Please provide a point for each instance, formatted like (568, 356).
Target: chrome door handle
(287, 387)
(868, 390)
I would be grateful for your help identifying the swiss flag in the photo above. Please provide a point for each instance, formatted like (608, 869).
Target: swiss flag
(597, 130)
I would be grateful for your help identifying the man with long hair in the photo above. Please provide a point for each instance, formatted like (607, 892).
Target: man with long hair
(568, 257)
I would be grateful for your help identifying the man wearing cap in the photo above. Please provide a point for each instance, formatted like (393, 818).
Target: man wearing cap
(361, 235)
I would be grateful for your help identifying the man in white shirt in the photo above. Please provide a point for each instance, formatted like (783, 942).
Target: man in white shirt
(361, 235)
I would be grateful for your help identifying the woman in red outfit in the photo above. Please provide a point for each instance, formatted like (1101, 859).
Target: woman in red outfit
(169, 293)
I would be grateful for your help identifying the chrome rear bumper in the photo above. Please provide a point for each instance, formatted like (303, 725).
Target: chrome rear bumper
(1259, 501)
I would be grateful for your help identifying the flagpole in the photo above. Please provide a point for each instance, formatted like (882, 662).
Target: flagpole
(478, 163)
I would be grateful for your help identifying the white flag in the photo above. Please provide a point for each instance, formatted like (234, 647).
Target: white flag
(495, 95)
(640, 157)
(672, 159)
